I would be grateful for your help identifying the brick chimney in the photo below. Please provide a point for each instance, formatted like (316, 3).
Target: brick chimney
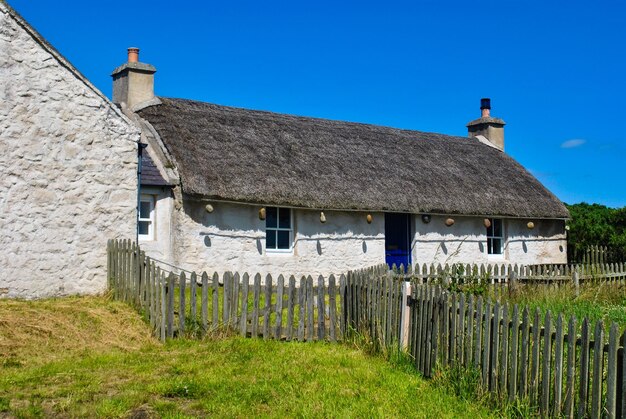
(487, 126)
(133, 82)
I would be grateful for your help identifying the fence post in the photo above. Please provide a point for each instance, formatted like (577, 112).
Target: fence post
(576, 281)
(512, 281)
(405, 315)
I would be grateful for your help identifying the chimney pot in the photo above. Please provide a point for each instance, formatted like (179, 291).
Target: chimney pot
(133, 55)
(485, 107)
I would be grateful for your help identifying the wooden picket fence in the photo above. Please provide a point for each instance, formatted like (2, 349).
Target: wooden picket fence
(561, 366)
(550, 361)
(303, 309)
(564, 367)
(504, 273)
(374, 306)
(596, 255)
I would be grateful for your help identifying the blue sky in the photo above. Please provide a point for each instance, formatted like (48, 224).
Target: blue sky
(555, 70)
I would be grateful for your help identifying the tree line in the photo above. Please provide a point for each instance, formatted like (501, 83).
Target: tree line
(596, 225)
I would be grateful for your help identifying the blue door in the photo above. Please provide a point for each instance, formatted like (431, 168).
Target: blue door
(397, 239)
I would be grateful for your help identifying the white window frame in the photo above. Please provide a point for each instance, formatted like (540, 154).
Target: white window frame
(151, 220)
(277, 228)
(491, 237)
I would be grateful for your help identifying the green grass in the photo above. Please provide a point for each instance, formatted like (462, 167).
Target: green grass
(111, 368)
(596, 301)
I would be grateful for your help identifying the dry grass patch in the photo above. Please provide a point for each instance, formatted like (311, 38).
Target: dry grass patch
(36, 332)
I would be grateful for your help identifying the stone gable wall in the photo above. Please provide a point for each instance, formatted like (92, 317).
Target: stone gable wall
(67, 172)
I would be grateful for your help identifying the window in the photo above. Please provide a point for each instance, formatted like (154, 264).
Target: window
(146, 217)
(278, 230)
(495, 238)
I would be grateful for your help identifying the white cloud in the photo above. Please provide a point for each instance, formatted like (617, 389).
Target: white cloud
(573, 143)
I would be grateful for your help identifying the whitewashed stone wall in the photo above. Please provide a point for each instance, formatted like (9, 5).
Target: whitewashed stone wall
(546, 243)
(68, 172)
(465, 241)
(161, 245)
(232, 238)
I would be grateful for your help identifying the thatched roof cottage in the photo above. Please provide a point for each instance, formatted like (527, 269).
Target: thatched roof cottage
(252, 190)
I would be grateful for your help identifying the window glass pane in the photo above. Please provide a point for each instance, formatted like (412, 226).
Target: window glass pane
(270, 239)
(283, 239)
(270, 217)
(497, 246)
(144, 209)
(284, 218)
(144, 227)
(497, 228)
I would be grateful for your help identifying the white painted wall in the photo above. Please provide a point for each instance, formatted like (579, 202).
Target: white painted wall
(546, 243)
(465, 241)
(68, 172)
(232, 238)
(161, 245)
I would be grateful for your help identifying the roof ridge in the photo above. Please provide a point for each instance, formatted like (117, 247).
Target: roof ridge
(316, 118)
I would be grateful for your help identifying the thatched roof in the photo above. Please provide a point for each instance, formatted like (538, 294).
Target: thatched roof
(268, 158)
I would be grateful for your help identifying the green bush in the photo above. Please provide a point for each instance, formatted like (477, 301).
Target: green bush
(455, 279)
(596, 225)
